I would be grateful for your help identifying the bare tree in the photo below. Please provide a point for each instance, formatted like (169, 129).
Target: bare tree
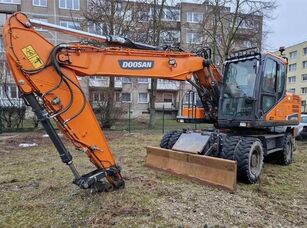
(229, 22)
(109, 17)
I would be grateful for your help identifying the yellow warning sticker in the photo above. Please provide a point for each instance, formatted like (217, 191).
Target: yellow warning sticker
(32, 56)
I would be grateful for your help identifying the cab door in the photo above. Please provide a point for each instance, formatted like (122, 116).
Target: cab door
(273, 84)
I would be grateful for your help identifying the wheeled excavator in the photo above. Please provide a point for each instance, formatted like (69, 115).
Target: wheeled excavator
(252, 114)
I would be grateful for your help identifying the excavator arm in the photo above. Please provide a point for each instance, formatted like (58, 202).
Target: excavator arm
(46, 75)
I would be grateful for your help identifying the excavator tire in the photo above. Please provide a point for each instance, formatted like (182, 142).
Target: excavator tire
(285, 156)
(169, 139)
(249, 157)
(230, 145)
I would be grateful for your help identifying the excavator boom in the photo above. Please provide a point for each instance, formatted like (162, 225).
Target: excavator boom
(46, 75)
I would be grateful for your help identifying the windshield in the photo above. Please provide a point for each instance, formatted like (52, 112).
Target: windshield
(304, 119)
(239, 78)
(239, 85)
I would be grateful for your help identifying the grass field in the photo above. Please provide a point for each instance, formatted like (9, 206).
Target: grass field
(36, 190)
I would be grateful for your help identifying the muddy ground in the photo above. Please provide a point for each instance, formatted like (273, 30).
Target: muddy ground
(36, 190)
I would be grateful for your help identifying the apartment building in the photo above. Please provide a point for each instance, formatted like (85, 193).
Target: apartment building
(180, 25)
(297, 71)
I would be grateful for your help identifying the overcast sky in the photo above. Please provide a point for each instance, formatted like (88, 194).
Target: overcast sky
(289, 26)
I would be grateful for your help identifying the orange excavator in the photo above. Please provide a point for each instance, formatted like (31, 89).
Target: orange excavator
(246, 105)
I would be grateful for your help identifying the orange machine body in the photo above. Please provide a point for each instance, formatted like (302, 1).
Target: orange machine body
(29, 54)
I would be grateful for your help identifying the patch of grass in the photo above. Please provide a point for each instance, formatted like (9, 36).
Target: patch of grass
(36, 190)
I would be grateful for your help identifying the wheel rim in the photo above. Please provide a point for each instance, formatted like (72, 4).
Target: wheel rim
(255, 162)
(289, 151)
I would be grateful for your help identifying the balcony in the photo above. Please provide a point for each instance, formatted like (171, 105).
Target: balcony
(103, 82)
(166, 106)
(167, 85)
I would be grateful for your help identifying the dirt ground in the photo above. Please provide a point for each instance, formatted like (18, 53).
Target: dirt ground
(36, 190)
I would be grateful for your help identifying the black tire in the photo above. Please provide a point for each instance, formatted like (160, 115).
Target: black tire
(229, 147)
(169, 139)
(249, 157)
(285, 157)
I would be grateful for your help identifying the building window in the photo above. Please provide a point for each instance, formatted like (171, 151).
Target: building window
(95, 28)
(143, 98)
(304, 90)
(293, 55)
(304, 77)
(194, 17)
(171, 15)
(305, 50)
(69, 4)
(291, 90)
(170, 36)
(292, 67)
(168, 97)
(143, 16)
(143, 80)
(98, 96)
(126, 97)
(11, 92)
(304, 64)
(70, 24)
(194, 38)
(126, 80)
(6, 1)
(292, 79)
(41, 3)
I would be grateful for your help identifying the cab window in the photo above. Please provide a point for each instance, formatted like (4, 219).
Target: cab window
(269, 78)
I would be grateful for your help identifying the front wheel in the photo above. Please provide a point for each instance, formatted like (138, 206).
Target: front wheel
(249, 157)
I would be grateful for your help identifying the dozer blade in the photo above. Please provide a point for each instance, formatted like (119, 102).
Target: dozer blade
(204, 169)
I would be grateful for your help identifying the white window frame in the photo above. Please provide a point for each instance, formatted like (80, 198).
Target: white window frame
(143, 82)
(40, 3)
(293, 54)
(126, 80)
(304, 75)
(7, 1)
(76, 25)
(72, 3)
(96, 29)
(291, 90)
(173, 34)
(193, 38)
(304, 64)
(305, 51)
(290, 81)
(304, 90)
(143, 102)
(292, 65)
(192, 19)
(126, 101)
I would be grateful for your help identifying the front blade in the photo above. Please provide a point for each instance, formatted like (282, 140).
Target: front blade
(209, 170)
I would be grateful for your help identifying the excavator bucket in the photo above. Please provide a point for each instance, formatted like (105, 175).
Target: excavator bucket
(218, 172)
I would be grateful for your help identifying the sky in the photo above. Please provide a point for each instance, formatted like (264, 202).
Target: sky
(289, 26)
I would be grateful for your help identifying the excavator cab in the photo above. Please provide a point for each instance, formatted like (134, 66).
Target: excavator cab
(253, 93)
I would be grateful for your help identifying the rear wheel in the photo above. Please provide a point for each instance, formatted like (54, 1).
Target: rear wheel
(249, 157)
(286, 155)
(169, 139)
(229, 147)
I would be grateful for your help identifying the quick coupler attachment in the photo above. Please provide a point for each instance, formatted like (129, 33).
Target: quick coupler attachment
(101, 180)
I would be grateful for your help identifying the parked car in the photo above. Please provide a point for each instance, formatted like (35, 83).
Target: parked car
(302, 127)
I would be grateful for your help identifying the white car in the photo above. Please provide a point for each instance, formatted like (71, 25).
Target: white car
(302, 127)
